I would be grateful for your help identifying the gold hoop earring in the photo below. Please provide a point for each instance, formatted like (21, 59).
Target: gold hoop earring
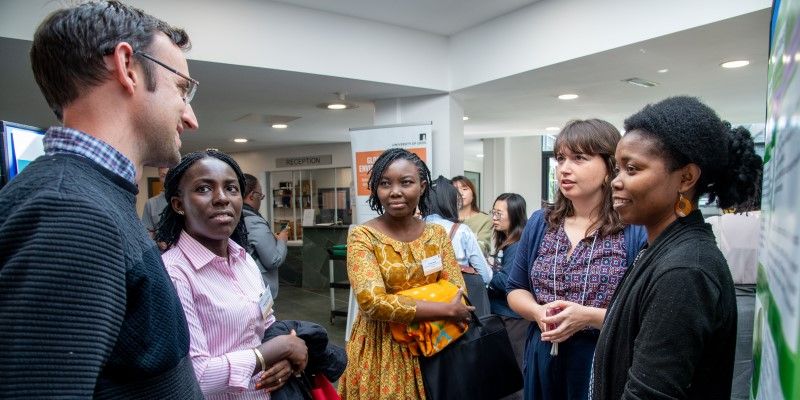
(683, 206)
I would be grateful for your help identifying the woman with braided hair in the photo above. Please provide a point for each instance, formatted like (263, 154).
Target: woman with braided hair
(223, 296)
(394, 252)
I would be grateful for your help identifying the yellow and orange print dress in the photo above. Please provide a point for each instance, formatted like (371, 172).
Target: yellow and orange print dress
(378, 267)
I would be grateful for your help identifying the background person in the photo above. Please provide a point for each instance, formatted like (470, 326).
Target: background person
(268, 250)
(671, 332)
(468, 212)
(509, 214)
(86, 309)
(571, 257)
(154, 206)
(227, 306)
(390, 253)
(443, 210)
(737, 233)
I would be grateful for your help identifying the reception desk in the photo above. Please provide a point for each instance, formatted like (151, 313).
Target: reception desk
(315, 268)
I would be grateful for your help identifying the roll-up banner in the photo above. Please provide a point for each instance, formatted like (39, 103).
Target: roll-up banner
(367, 145)
(776, 332)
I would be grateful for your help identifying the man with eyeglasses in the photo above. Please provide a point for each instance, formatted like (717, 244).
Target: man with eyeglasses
(87, 309)
(268, 250)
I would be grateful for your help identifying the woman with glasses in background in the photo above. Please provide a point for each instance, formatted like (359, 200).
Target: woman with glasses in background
(509, 215)
(572, 256)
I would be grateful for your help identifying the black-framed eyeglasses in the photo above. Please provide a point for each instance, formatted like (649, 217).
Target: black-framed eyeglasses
(193, 83)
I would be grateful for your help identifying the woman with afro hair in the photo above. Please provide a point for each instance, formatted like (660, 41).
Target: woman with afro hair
(670, 331)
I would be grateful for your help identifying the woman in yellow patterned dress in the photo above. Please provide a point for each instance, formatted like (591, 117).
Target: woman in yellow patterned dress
(390, 253)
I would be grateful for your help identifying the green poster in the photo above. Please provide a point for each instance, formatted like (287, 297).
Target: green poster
(776, 373)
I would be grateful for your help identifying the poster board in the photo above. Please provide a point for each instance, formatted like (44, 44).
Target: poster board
(776, 365)
(367, 145)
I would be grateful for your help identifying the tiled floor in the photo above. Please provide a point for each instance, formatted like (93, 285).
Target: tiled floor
(312, 305)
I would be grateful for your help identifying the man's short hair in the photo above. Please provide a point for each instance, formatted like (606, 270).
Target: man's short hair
(69, 46)
(250, 183)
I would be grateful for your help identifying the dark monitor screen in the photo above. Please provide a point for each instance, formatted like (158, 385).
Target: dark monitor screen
(21, 145)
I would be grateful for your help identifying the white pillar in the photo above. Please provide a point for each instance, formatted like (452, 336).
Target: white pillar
(513, 165)
(448, 127)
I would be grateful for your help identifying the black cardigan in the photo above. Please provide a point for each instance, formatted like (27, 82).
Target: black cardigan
(671, 329)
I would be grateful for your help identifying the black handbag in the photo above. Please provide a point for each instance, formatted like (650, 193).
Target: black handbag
(478, 365)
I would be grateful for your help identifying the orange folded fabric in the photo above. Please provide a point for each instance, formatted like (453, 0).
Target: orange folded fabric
(427, 338)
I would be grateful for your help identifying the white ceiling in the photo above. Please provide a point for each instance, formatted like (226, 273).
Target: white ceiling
(442, 17)
(522, 104)
(527, 103)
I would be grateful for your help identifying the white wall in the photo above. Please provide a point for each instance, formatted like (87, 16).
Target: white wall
(272, 35)
(513, 165)
(551, 31)
(446, 114)
(279, 36)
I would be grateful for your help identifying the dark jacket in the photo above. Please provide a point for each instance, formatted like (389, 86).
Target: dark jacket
(497, 286)
(87, 309)
(670, 332)
(323, 357)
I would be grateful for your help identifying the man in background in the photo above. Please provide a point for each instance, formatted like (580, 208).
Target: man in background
(154, 205)
(87, 309)
(268, 249)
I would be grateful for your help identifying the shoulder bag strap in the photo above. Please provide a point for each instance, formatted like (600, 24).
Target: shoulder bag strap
(453, 230)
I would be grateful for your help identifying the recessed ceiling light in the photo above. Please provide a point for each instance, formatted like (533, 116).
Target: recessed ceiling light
(568, 96)
(336, 106)
(280, 126)
(240, 140)
(735, 64)
(479, 155)
(465, 118)
(552, 128)
(663, 71)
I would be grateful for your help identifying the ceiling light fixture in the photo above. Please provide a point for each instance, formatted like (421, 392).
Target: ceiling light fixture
(735, 64)
(479, 155)
(240, 140)
(340, 104)
(663, 71)
(280, 126)
(640, 82)
(568, 96)
(552, 128)
(465, 118)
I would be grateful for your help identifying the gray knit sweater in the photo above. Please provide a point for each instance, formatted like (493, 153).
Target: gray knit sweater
(86, 307)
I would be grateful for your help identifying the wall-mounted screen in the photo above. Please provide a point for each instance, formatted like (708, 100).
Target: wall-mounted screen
(21, 145)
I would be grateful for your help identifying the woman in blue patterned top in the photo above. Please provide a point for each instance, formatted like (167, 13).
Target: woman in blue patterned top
(571, 257)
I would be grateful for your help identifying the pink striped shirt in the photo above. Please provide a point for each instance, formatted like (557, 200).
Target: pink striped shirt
(220, 299)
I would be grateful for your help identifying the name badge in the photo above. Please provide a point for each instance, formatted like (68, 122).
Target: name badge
(265, 303)
(432, 264)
